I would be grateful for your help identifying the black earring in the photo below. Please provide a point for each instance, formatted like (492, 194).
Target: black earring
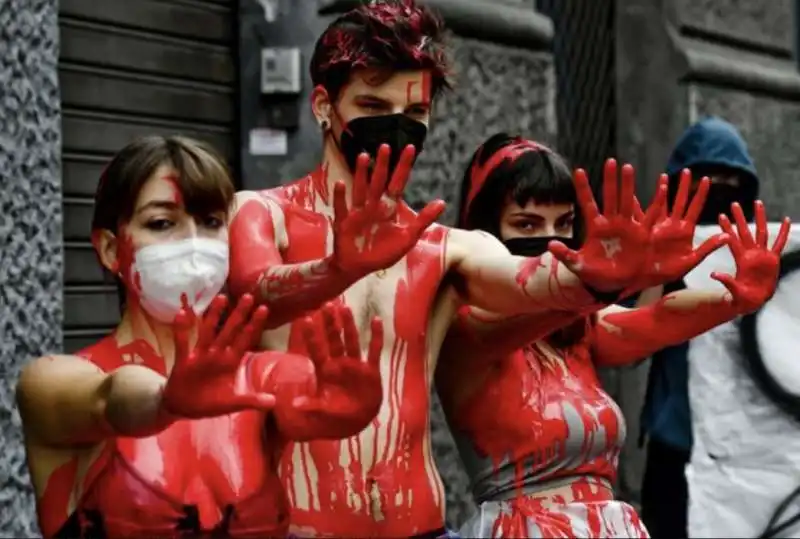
(325, 124)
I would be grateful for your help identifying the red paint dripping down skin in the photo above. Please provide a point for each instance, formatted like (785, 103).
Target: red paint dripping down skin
(188, 463)
(550, 423)
(382, 482)
(223, 464)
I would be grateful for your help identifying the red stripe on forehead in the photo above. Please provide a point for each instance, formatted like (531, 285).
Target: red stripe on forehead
(479, 173)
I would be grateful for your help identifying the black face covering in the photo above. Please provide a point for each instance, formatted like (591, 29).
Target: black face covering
(368, 133)
(537, 246)
(720, 198)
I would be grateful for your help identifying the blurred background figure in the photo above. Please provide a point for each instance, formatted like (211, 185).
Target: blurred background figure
(590, 79)
(712, 148)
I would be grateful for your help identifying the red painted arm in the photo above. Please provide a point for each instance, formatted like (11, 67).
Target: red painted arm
(625, 336)
(257, 266)
(479, 336)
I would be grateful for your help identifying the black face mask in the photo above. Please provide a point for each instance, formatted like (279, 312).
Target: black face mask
(537, 246)
(368, 133)
(720, 198)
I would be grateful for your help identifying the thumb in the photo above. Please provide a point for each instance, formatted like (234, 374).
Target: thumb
(710, 245)
(728, 281)
(563, 254)
(428, 215)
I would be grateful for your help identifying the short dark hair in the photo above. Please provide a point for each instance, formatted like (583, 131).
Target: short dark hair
(540, 175)
(203, 179)
(387, 35)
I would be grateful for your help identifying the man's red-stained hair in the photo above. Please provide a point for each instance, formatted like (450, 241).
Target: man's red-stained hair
(386, 35)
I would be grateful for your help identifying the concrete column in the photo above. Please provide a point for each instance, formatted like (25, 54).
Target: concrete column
(31, 257)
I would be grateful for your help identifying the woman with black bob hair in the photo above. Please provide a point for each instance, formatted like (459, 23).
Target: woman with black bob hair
(539, 437)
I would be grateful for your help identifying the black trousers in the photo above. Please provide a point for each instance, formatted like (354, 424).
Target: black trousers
(665, 493)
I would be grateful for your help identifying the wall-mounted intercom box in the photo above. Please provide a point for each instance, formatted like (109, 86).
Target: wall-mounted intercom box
(281, 71)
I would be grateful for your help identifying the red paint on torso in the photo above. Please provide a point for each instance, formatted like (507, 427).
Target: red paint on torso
(549, 417)
(141, 487)
(383, 482)
(545, 436)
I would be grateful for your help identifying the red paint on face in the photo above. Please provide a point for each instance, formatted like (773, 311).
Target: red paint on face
(177, 196)
(426, 87)
(409, 90)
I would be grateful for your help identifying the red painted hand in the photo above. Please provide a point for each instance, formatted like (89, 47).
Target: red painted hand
(615, 247)
(671, 253)
(757, 265)
(368, 236)
(348, 388)
(208, 380)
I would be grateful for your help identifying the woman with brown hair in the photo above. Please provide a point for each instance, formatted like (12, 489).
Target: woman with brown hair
(167, 426)
(539, 437)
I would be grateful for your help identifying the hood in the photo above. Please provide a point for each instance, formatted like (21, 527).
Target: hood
(712, 141)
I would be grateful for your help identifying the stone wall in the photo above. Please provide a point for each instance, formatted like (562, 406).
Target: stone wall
(30, 228)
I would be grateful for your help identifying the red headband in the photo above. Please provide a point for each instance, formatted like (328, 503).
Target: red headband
(478, 174)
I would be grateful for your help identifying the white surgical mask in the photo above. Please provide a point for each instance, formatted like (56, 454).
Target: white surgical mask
(161, 273)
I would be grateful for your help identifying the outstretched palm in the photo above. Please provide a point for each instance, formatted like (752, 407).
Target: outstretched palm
(615, 247)
(208, 380)
(368, 236)
(671, 253)
(757, 265)
(347, 386)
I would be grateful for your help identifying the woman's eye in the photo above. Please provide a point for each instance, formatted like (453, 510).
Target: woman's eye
(159, 224)
(213, 222)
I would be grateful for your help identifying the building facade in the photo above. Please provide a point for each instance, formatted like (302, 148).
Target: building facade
(80, 78)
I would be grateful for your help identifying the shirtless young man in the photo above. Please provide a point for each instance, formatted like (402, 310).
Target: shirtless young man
(344, 232)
